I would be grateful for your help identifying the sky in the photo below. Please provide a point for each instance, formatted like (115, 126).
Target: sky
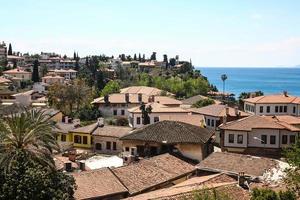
(216, 33)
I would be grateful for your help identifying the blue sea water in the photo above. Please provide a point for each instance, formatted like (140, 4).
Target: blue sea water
(268, 80)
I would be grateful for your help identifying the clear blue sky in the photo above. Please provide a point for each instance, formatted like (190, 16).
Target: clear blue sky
(213, 33)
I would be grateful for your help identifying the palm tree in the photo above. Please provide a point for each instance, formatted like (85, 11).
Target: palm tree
(29, 133)
(224, 78)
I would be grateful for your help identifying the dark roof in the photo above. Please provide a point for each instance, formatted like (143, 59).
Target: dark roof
(234, 163)
(170, 132)
(152, 172)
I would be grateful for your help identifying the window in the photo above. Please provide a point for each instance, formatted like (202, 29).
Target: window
(213, 123)
(126, 148)
(261, 109)
(292, 139)
(285, 109)
(240, 139)
(138, 120)
(114, 146)
(264, 139)
(268, 109)
(156, 119)
(231, 138)
(276, 109)
(122, 112)
(77, 139)
(294, 109)
(208, 122)
(284, 139)
(280, 108)
(98, 146)
(63, 138)
(108, 145)
(115, 112)
(272, 139)
(84, 139)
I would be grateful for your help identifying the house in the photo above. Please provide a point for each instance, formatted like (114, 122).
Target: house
(62, 130)
(106, 139)
(26, 98)
(153, 173)
(189, 102)
(277, 104)
(118, 104)
(217, 114)
(144, 176)
(18, 73)
(190, 141)
(258, 135)
(98, 184)
(53, 79)
(193, 187)
(158, 113)
(67, 74)
(4, 82)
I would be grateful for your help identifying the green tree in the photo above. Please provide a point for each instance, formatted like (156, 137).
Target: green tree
(203, 103)
(153, 56)
(292, 156)
(9, 52)
(35, 73)
(30, 133)
(134, 57)
(140, 58)
(111, 87)
(224, 78)
(268, 194)
(146, 111)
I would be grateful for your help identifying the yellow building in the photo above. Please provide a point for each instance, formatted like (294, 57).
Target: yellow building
(82, 136)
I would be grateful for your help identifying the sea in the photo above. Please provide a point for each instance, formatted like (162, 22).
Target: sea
(267, 80)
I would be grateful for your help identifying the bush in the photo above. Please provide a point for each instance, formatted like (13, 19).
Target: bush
(203, 103)
(118, 121)
(268, 194)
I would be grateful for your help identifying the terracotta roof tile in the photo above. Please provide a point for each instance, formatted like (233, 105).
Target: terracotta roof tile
(217, 110)
(112, 131)
(159, 108)
(142, 90)
(276, 98)
(148, 173)
(97, 183)
(255, 121)
(235, 163)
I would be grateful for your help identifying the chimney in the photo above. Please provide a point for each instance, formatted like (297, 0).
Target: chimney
(285, 93)
(106, 99)
(227, 110)
(127, 97)
(68, 166)
(82, 165)
(236, 111)
(100, 122)
(242, 181)
(66, 119)
(76, 122)
(140, 98)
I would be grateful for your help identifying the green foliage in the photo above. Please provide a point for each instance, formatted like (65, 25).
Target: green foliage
(110, 87)
(88, 113)
(31, 180)
(30, 133)
(292, 178)
(9, 52)
(204, 102)
(146, 110)
(268, 194)
(210, 194)
(35, 72)
(69, 98)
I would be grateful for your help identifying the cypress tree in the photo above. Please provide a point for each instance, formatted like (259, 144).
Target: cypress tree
(35, 71)
(134, 57)
(140, 58)
(74, 56)
(9, 52)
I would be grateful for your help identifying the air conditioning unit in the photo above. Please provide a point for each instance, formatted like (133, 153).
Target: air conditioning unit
(127, 159)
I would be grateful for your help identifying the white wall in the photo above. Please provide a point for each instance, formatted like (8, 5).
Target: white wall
(272, 109)
(235, 144)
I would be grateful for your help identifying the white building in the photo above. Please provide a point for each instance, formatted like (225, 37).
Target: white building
(281, 104)
(258, 135)
(68, 74)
